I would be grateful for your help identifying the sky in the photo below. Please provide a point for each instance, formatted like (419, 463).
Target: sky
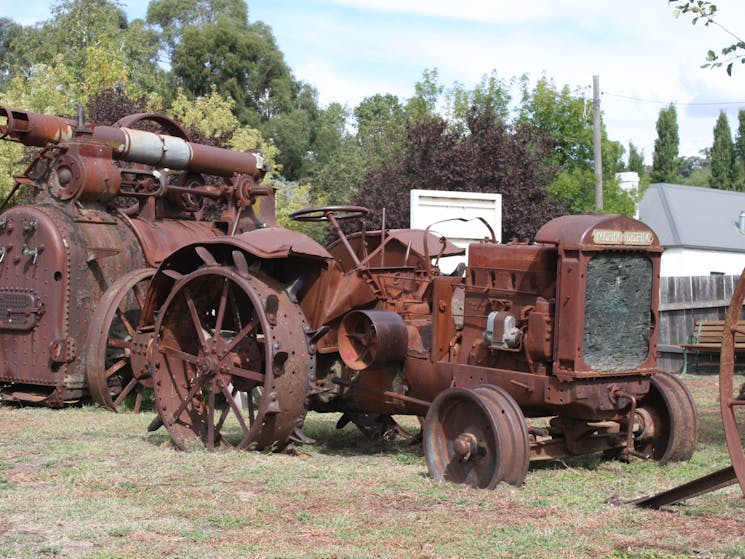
(644, 57)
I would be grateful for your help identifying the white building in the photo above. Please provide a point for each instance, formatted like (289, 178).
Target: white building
(702, 229)
(456, 216)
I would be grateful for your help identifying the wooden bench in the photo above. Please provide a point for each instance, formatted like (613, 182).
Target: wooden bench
(707, 338)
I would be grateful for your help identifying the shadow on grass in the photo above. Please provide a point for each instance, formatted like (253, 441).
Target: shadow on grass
(350, 441)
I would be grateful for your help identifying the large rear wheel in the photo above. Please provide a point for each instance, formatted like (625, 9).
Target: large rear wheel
(231, 361)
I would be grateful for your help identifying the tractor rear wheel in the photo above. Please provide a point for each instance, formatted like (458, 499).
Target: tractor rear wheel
(231, 361)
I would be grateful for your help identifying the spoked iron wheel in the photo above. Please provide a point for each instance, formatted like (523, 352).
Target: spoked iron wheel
(231, 361)
(477, 437)
(111, 335)
(666, 422)
(731, 398)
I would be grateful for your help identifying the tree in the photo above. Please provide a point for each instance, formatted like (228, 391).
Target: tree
(702, 10)
(696, 170)
(211, 43)
(491, 93)
(173, 16)
(488, 157)
(11, 36)
(566, 117)
(636, 160)
(379, 136)
(740, 152)
(98, 45)
(664, 159)
(722, 155)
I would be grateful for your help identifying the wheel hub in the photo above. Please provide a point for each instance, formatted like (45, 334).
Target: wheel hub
(206, 365)
(465, 445)
(643, 426)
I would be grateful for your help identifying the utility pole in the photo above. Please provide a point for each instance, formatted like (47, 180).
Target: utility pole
(596, 143)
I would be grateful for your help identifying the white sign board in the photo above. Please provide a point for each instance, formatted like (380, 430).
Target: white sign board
(432, 206)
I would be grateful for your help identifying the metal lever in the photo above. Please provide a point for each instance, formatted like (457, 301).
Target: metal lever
(33, 252)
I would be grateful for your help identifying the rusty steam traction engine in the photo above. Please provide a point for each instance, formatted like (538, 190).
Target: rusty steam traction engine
(245, 325)
(108, 203)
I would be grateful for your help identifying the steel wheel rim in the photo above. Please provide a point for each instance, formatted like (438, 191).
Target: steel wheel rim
(513, 432)
(670, 409)
(728, 400)
(456, 415)
(107, 352)
(203, 362)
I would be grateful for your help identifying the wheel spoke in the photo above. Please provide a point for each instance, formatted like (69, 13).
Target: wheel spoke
(225, 411)
(251, 407)
(236, 409)
(195, 317)
(123, 344)
(245, 331)
(188, 357)
(198, 383)
(125, 392)
(247, 374)
(125, 322)
(211, 416)
(138, 295)
(117, 366)
(138, 399)
(221, 308)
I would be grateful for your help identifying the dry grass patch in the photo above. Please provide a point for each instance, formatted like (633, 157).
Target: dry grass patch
(86, 483)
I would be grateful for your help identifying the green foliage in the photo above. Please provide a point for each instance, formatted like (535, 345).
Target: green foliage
(636, 160)
(491, 93)
(289, 197)
(739, 148)
(427, 94)
(97, 44)
(212, 116)
(695, 170)
(666, 146)
(172, 16)
(566, 116)
(702, 10)
(723, 156)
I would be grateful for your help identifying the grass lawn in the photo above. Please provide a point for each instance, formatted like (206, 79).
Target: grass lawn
(84, 482)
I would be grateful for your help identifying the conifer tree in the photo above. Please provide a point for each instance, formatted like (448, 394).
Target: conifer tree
(722, 155)
(636, 159)
(740, 152)
(665, 158)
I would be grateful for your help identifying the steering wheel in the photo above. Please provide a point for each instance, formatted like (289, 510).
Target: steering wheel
(320, 213)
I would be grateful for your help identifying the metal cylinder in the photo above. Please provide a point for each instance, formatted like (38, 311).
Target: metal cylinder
(372, 339)
(161, 150)
(34, 129)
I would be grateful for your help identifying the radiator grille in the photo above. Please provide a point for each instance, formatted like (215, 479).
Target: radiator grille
(617, 311)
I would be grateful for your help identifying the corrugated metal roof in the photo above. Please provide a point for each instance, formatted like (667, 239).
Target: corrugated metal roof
(694, 217)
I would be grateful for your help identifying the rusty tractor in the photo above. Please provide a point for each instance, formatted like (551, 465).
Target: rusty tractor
(107, 205)
(248, 332)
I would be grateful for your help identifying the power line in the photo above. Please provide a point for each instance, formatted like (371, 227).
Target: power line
(641, 100)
